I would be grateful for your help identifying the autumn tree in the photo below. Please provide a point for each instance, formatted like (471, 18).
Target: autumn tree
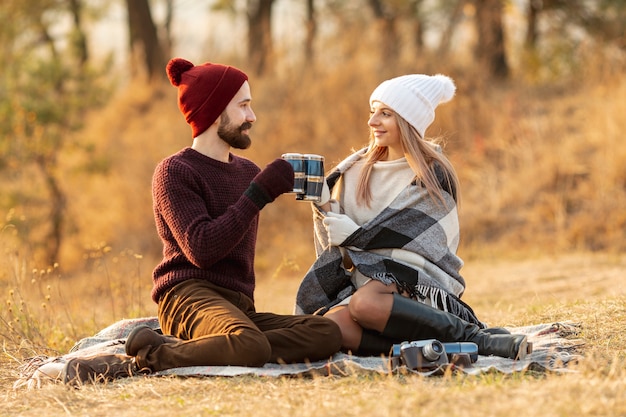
(490, 50)
(386, 18)
(260, 43)
(555, 29)
(311, 32)
(145, 46)
(47, 87)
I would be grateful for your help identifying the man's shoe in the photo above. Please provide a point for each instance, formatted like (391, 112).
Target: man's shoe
(99, 368)
(143, 336)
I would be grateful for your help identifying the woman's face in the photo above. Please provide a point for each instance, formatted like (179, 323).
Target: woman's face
(385, 130)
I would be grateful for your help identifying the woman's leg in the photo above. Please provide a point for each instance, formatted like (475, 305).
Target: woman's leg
(350, 330)
(379, 307)
(413, 320)
(364, 317)
(370, 306)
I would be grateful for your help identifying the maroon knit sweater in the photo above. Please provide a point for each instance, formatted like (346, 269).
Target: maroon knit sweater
(207, 226)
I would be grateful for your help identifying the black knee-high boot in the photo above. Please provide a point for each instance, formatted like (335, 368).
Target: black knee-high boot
(412, 320)
(373, 344)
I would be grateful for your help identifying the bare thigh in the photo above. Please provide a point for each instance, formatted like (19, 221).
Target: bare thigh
(368, 308)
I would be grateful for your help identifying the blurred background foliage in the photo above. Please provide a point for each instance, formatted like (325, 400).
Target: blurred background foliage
(535, 130)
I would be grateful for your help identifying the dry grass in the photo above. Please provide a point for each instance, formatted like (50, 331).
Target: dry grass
(585, 288)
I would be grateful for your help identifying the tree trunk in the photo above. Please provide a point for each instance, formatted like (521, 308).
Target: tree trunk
(490, 51)
(79, 43)
(453, 21)
(54, 239)
(532, 14)
(260, 46)
(167, 43)
(311, 31)
(386, 27)
(46, 160)
(144, 42)
(420, 26)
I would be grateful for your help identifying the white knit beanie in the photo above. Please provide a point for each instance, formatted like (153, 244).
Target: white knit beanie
(415, 96)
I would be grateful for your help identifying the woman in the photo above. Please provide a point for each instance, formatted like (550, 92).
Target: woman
(387, 269)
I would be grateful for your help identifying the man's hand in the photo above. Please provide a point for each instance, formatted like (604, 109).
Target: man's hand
(274, 180)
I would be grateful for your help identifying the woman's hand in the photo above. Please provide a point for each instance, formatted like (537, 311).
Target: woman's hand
(339, 227)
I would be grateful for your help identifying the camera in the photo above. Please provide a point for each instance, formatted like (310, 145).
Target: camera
(423, 355)
(431, 354)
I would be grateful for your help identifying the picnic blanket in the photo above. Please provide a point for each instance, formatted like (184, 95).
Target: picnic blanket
(555, 346)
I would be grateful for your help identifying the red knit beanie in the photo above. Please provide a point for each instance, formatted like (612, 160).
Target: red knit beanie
(204, 90)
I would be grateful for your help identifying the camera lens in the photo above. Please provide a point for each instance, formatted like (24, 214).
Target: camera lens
(432, 350)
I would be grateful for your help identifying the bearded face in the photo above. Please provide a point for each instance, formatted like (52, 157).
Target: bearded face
(233, 134)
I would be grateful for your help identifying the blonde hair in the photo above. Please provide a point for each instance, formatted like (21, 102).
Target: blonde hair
(431, 167)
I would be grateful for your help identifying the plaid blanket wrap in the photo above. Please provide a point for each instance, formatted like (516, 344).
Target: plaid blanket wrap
(411, 243)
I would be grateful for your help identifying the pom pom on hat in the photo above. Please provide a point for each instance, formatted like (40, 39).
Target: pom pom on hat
(175, 69)
(414, 97)
(204, 90)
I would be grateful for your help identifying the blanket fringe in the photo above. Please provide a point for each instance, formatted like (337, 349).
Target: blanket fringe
(442, 300)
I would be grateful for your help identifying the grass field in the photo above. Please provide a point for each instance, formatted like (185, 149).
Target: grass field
(585, 288)
(542, 234)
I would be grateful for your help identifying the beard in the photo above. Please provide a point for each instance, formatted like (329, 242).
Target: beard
(233, 134)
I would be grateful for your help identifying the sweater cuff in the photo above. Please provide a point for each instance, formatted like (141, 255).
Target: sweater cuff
(257, 195)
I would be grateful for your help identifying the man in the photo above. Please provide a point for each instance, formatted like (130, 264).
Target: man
(206, 207)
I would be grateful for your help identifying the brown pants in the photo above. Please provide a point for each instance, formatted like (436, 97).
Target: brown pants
(218, 326)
